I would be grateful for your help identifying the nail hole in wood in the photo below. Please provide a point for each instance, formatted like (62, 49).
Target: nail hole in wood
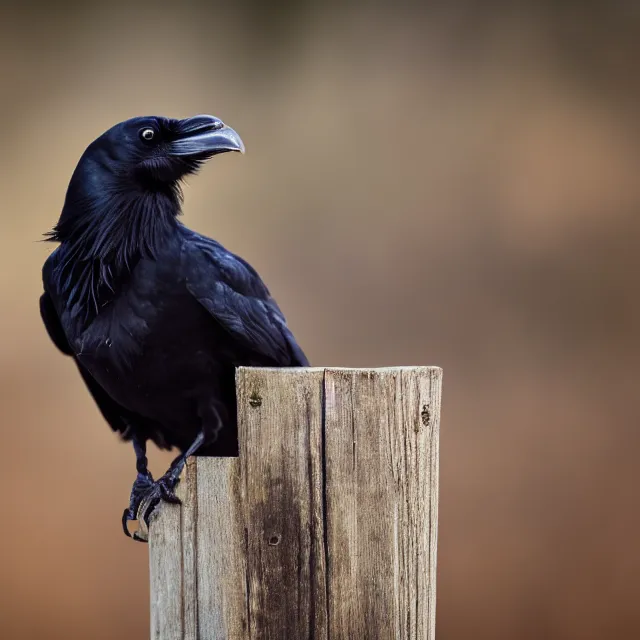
(255, 400)
(426, 415)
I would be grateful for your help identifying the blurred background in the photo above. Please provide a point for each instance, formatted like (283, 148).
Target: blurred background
(451, 183)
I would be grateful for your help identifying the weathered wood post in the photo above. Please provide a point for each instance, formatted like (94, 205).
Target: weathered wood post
(325, 526)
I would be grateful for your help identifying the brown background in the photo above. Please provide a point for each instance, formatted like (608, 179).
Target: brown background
(454, 184)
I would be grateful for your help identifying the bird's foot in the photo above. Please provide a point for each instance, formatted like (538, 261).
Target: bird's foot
(146, 495)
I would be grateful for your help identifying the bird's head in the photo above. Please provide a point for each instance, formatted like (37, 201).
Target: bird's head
(128, 179)
(153, 152)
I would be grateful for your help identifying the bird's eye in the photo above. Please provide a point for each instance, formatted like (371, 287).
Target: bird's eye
(147, 134)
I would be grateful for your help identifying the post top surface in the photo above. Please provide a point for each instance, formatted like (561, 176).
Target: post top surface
(423, 368)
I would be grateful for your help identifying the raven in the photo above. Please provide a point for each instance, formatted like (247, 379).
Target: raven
(155, 315)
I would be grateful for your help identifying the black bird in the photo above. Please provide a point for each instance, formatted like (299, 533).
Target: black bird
(155, 315)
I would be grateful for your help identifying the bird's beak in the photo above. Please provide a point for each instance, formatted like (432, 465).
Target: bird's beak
(204, 136)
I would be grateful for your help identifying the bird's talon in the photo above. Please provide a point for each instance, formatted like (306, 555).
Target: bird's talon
(138, 538)
(126, 516)
(146, 495)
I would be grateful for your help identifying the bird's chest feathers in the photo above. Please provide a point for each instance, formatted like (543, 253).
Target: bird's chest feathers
(125, 329)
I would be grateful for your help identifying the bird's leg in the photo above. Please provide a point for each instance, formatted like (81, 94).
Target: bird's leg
(173, 474)
(211, 426)
(163, 488)
(140, 447)
(141, 485)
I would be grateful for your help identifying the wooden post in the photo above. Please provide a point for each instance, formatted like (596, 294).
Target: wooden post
(325, 526)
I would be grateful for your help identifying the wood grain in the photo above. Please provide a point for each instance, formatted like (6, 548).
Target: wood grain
(220, 557)
(324, 528)
(381, 432)
(166, 564)
(196, 561)
(280, 431)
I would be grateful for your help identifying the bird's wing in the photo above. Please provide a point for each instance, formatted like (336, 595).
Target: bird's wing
(235, 296)
(52, 324)
(119, 418)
